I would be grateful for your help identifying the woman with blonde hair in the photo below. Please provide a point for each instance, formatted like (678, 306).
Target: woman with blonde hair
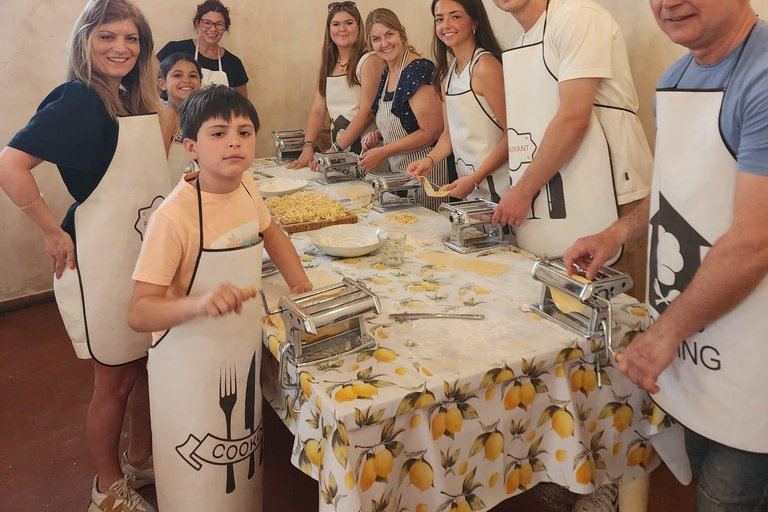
(474, 111)
(407, 108)
(101, 130)
(348, 78)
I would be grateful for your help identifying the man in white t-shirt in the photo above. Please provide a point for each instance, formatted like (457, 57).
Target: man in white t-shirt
(575, 101)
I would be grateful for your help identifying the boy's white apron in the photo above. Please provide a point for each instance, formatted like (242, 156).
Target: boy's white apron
(205, 396)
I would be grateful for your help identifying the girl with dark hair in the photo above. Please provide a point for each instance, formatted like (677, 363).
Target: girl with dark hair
(102, 132)
(473, 108)
(407, 108)
(179, 77)
(219, 66)
(348, 78)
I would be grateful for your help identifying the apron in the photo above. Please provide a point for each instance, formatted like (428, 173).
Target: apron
(343, 104)
(211, 76)
(179, 162)
(205, 395)
(579, 200)
(392, 130)
(474, 132)
(109, 226)
(715, 385)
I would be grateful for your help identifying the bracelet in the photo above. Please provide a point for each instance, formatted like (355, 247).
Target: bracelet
(308, 143)
(336, 147)
(29, 205)
(431, 160)
(472, 177)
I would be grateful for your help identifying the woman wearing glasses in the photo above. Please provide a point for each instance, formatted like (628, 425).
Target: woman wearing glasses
(474, 110)
(348, 78)
(219, 66)
(407, 108)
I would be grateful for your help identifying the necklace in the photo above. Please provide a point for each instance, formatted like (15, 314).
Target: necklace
(342, 66)
(459, 67)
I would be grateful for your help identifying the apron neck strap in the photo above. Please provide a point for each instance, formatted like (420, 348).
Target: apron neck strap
(200, 205)
(399, 75)
(544, 30)
(218, 53)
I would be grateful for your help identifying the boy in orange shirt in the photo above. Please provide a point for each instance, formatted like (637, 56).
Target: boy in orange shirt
(200, 261)
(228, 195)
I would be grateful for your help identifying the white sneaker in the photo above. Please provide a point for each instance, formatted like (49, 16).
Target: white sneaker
(142, 475)
(120, 497)
(604, 499)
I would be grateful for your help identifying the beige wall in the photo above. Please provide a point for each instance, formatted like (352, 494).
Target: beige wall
(279, 43)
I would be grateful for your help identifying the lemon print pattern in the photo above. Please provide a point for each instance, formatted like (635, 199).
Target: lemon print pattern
(383, 462)
(584, 473)
(438, 425)
(349, 480)
(421, 475)
(453, 420)
(562, 423)
(502, 404)
(622, 418)
(384, 355)
(368, 475)
(513, 481)
(494, 446)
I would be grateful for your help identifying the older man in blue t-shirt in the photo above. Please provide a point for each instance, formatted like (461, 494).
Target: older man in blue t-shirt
(703, 357)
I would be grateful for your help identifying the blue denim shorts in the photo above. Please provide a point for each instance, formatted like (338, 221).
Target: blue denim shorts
(727, 479)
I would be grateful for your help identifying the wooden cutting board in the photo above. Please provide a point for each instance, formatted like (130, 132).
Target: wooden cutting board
(298, 227)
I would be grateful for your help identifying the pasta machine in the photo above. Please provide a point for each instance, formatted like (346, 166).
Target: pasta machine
(393, 191)
(471, 228)
(320, 325)
(336, 167)
(288, 145)
(579, 305)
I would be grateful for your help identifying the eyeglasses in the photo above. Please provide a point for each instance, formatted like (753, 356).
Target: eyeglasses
(208, 24)
(340, 5)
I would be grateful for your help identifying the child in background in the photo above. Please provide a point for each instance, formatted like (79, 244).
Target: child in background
(201, 261)
(180, 76)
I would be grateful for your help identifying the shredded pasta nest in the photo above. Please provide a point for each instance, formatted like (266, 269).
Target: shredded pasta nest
(403, 218)
(305, 206)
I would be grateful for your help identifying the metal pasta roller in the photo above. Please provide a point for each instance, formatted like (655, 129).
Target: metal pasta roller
(337, 167)
(581, 306)
(288, 145)
(268, 268)
(321, 325)
(471, 228)
(393, 191)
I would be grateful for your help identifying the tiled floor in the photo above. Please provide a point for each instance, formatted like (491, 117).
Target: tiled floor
(44, 465)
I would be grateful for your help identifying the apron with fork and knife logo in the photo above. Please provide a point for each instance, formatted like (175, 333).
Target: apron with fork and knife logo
(205, 395)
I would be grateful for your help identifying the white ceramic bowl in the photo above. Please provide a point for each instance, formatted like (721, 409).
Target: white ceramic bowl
(346, 240)
(280, 186)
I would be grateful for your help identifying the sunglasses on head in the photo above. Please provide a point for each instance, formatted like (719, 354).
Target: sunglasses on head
(340, 5)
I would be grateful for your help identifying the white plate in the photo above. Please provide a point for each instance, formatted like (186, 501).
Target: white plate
(346, 240)
(280, 186)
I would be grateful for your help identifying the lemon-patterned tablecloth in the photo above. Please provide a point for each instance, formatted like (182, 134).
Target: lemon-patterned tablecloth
(455, 414)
